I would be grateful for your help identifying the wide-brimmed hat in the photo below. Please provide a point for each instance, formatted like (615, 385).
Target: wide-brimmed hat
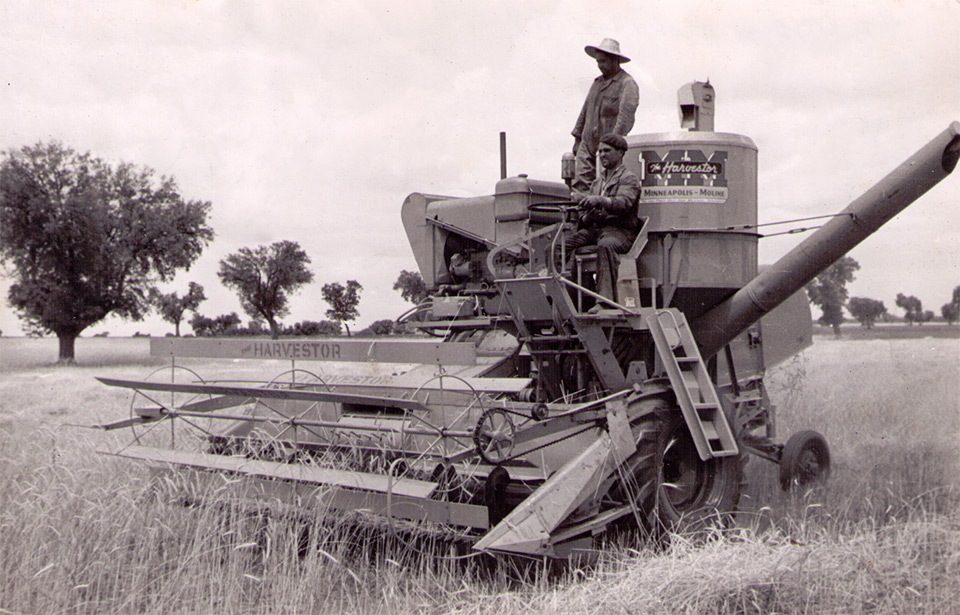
(609, 46)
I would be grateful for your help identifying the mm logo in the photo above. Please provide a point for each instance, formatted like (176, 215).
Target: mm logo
(683, 175)
(684, 167)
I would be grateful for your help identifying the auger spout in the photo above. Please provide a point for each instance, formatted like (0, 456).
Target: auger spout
(860, 219)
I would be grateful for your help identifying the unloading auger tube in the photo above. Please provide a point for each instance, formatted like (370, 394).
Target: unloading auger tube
(860, 219)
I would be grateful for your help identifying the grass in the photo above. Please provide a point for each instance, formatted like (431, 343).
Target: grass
(84, 533)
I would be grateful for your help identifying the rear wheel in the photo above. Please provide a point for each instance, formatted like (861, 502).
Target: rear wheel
(805, 461)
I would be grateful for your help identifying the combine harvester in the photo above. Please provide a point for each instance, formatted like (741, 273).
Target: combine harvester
(530, 424)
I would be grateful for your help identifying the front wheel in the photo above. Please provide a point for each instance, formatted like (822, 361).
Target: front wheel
(673, 488)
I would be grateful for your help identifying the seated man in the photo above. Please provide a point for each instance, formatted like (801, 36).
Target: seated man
(609, 213)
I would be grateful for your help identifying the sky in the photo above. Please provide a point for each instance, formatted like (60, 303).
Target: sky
(312, 121)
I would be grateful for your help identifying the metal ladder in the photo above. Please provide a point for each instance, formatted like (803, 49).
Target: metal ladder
(691, 383)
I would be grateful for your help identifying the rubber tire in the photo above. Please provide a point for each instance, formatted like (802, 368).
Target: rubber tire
(801, 450)
(495, 495)
(665, 456)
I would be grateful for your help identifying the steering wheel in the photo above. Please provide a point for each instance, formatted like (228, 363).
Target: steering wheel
(554, 207)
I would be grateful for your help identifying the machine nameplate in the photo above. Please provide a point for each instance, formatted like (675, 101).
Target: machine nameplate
(690, 194)
(683, 176)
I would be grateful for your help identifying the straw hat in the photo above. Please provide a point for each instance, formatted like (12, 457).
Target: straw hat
(607, 46)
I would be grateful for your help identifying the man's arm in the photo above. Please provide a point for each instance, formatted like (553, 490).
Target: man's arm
(577, 131)
(620, 202)
(628, 191)
(629, 101)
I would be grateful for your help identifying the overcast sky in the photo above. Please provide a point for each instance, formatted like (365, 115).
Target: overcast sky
(312, 121)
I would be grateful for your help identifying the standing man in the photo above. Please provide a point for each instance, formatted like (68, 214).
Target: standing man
(609, 213)
(610, 108)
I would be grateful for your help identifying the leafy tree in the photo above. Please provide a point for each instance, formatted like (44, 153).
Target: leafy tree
(382, 327)
(264, 277)
(313, 328)
(223, 325)
(411, 287)
(951, 311)
(171, 306)
(828, 290)
(343, 301)
(912, 307)
(87, 239)
(866, 310)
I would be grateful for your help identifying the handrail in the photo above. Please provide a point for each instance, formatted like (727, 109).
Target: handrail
(628, 278)
(494, 253)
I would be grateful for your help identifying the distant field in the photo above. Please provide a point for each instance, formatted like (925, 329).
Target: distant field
(892, 331)
(17, 353)
(83, 533)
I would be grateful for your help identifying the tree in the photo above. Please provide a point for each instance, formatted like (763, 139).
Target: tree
(313, 328)
(411, 287)
(87, 239)
(382, 327)
(912, 307)
(951, 311)
(225, 324)
(828, 290)
(264, 277)
(171, 306)
(866, 310)
(343, 301)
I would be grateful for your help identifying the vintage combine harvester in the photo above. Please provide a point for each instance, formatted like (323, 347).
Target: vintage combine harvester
(532, 424)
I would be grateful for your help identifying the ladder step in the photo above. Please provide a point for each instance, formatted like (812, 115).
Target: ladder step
(693, 386)
(718, 449)
(691, 379)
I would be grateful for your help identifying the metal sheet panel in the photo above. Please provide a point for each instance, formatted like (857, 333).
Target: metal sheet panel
(383, 351)
(265, 492)
(786, 330)
(283, 471)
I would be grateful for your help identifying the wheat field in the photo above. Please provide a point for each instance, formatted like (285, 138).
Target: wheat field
(86, 533)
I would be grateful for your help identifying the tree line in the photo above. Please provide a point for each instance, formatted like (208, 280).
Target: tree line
(83, 239)
(828, 291)
(264, 278)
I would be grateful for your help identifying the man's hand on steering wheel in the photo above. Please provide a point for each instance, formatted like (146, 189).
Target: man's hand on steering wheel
(593, 201)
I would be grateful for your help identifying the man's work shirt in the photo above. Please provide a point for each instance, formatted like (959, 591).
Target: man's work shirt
(610, 106)
(623, 189)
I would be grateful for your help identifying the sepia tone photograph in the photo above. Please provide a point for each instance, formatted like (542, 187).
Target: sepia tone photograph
(490, 308)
